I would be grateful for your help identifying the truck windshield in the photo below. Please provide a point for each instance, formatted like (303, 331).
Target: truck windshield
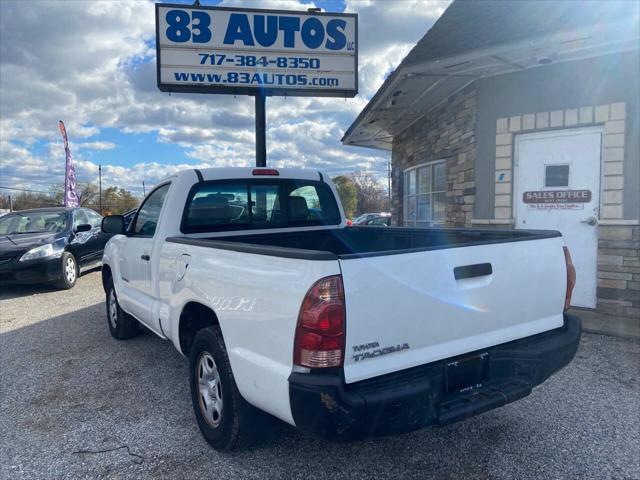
(260, 203)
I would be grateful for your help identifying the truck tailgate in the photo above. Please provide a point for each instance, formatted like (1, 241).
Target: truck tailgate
(409, 309)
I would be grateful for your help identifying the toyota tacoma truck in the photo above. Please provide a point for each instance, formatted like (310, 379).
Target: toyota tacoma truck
(343, 332)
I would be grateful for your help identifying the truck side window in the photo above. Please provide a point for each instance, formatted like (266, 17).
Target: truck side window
(149, 212)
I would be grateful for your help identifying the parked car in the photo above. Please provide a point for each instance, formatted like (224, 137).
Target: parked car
(379, 219)
(342, 332)
(50, 245)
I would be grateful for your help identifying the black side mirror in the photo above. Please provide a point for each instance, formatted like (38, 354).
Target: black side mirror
(113, 224)
(83, 227)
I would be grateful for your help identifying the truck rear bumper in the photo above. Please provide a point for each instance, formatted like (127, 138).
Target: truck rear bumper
(323, 405)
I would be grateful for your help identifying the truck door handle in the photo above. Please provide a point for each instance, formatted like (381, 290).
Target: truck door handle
(590, 221)
(471, 271)
(145, 257)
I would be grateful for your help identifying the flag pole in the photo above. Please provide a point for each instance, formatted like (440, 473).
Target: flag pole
(70, 193)
(66, 165)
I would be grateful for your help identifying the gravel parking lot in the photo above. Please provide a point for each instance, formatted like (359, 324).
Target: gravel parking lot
(68, 387)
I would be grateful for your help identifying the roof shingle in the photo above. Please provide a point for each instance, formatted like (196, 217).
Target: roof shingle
(476, 24)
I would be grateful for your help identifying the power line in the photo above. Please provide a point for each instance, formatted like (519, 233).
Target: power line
(50, 192)
(24, 190)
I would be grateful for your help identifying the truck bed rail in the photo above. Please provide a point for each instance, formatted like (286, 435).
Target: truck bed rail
(360, 242)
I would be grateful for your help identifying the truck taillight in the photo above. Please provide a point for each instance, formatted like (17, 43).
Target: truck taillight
(571, 277)
(320, 335)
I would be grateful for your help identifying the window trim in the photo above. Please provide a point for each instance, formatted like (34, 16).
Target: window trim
(280, 182)
(131, 229)
(406, 195)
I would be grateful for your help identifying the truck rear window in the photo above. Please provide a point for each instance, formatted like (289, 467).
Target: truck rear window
(259, 203)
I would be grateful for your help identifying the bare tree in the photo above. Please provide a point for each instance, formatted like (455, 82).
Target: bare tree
(24, 200)
(118, 200)
(88, 194)
(114, 199)
(370, 193)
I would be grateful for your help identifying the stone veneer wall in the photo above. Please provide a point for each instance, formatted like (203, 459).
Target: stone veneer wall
(445, 133)
(619, 270)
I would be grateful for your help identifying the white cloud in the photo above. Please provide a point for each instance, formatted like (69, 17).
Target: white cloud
(90, 63)
(101, 145)
(388, 30)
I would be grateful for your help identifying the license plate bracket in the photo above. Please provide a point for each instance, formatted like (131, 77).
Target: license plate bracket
(467, 373)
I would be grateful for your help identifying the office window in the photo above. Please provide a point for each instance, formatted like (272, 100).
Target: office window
(425, 195)
(556, 176)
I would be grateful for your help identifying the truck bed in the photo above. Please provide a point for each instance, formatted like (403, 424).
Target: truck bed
(358, 242)
(423, 294)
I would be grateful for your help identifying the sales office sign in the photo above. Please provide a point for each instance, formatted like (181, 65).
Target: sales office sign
(240, 51)
(556, 199)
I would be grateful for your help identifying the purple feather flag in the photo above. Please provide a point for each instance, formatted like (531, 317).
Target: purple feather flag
(70, 195)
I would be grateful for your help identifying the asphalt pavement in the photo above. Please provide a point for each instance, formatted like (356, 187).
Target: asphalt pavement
(75, 403)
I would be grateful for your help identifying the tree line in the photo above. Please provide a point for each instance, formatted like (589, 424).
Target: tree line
(360, 192)
(115, 200)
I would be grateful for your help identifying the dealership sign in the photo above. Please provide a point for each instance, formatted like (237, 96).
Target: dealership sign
(242, 51)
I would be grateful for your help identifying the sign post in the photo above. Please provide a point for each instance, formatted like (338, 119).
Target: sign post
(241, 51)
(261, 129)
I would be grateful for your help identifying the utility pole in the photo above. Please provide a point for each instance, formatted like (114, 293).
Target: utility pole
(261, 129)
(144, 193)
(100, 186)
(10, 203)
(389, 183)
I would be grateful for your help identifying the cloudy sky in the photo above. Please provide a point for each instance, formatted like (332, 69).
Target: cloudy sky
(92, 64)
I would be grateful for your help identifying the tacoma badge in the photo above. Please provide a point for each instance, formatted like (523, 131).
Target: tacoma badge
(373, 349)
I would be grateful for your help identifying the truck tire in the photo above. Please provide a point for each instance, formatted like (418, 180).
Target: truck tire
(225, 419)
(121, 325)
(69, 272)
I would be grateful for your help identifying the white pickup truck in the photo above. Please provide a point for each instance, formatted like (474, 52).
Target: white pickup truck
(341, 331)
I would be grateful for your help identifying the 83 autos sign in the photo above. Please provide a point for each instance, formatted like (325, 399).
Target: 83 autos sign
(239, 51)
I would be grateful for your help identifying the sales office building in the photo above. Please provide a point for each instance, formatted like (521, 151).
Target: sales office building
(524, 115)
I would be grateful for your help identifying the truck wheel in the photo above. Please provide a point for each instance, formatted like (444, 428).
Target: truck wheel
(68, 272)
(225, 419)
(121, 325)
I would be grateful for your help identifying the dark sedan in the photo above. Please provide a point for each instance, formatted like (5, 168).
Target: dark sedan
(50, 245)
(377, 219)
